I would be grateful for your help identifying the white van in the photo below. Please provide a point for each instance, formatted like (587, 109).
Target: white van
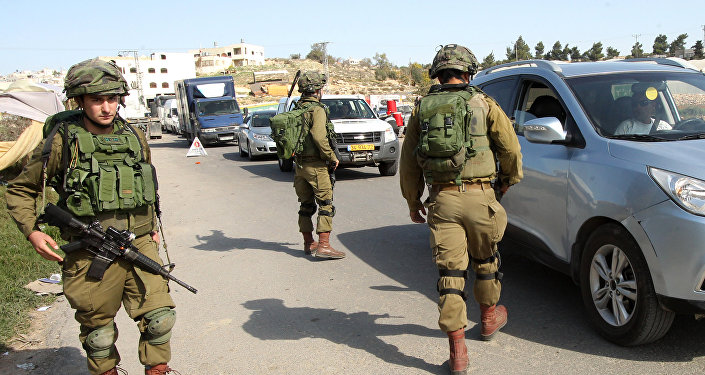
(171, 117)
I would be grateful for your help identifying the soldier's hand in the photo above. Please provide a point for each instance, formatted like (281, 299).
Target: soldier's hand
(41, 243)
(155, 236)
(336, 165)
(416, 216)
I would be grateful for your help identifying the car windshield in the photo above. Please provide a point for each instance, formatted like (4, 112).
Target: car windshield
(218, 107)
(644, 106)
(348, 109)
(261, 120)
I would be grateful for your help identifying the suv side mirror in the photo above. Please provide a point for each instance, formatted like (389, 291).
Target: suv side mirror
(544, 130)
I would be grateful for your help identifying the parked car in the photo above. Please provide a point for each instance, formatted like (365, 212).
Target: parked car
(253, 138)
(171, 117)
(623, 215)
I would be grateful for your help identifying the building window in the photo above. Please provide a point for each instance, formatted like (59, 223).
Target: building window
(151, 70)
(163, 70)
(133, 70)
(152, 85)
(237, 51)
(165, 85)
(163, 57)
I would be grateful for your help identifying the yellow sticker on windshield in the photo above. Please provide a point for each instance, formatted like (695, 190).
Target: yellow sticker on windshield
(651, 93)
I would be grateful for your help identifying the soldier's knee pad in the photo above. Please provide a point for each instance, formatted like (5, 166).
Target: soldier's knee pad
(325, 212)
(158, 325)
(307, 210)
(99, 342)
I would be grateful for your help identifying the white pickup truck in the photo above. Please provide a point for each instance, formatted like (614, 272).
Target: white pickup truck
(363, 139)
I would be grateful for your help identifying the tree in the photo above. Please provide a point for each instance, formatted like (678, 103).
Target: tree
(519, 50)
(295, 56)
(381, 61)
(488, 61)
(637, 50)
(419, 75)
(677, 45)
(565, 53)
(660, 45)
(612, 53)
(317, 52)
(595, 52)
(575, 54)
(698, 49)
(538, 50)
(556, 51)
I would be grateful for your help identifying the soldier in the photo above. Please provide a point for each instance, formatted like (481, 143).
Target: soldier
(101, 168)
(312, 182)
(465, 218)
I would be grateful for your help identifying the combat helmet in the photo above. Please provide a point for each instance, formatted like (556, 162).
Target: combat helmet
(310, 81)
(453, 56)
(95, 76)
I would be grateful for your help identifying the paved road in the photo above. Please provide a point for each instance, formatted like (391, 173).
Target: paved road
(265, 308)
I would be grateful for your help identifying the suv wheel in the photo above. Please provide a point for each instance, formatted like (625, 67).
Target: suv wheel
(617, 290)
(286, 165)
(243, 153)
(388, 168)
(249, 151)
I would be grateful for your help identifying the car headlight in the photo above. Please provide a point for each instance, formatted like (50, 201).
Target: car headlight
(389, 135)
(261, 137)
(687, 192)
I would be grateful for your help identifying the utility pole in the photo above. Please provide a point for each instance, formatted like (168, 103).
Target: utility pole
(140, 94)
(636, 37)
(325, 61)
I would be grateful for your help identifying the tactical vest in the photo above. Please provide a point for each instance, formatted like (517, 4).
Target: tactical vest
(449, 152)
(104, 173)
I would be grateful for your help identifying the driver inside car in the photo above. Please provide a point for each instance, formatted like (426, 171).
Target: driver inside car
(644, 107)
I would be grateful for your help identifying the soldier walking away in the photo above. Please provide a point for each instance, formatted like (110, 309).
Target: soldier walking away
(312, 182)
(455, 136)
(101, 168)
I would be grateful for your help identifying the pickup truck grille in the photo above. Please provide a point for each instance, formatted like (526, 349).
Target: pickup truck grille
(352, 138)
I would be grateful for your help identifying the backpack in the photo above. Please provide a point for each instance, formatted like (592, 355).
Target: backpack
(289, 132)
(445, 143)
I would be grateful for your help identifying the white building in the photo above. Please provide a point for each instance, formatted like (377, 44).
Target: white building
(157, 74)
(219, 59)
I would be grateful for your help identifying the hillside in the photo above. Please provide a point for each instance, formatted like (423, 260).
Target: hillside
(344, 79)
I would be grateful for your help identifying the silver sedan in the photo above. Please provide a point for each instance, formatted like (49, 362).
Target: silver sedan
(254, 137)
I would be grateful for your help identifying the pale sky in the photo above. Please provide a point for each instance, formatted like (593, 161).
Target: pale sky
(56, 34)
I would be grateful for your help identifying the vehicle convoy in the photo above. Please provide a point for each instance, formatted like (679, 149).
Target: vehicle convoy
(622, 213)
(254, 137)
(362, 138)
(208, 109)
(158, 108)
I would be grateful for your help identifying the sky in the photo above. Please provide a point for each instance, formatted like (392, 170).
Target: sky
(56, 34)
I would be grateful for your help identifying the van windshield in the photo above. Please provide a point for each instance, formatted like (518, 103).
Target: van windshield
(348, 109)
(218, 107)
(644, 106)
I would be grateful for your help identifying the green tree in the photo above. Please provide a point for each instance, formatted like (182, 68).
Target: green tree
(574, 54)
(381, 61)
(595, 52)
(519, 50)
(555, 52)
(565, 53)
(538, 50)
(637, 50)
(698, 49)
(317, 52)
(660, 45)
(295, 56)
(677, 45)
(612, 53)
(488, 61)
(419, 75)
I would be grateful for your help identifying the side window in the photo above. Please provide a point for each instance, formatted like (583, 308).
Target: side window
(501, 91)
(537, 100)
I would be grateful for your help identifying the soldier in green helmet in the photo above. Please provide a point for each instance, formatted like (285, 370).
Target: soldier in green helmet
(101, 168)
(312, 182)
(455, 137)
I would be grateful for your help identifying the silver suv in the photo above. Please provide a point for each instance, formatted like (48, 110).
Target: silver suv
(614, 185)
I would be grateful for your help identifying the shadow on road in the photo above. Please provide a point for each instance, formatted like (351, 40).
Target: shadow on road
(217, 241)
(272, 320)
(544, 305)
(49, 361)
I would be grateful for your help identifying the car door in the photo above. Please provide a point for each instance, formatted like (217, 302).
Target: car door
(536, 207)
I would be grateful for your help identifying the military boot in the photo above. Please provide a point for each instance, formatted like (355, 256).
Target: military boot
(309, 243)
(324, 250)
(115, 371)
(493, 318)
(160, 369)
(458, 362)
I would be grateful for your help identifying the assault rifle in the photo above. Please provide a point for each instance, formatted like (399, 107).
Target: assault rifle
(105, 245)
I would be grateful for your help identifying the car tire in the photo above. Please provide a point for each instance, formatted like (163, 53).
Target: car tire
(286, 165)
(388, 168)
(243, 153)
(249, 151)
(625, 286)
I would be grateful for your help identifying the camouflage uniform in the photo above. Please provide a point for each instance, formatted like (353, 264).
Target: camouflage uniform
(145, 296)
(466, 220)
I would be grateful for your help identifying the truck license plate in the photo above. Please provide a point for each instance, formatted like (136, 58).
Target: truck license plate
(361, 147)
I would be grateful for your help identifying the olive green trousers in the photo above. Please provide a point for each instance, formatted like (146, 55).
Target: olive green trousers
(313, 187)
(465, 225)
(97, 301)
